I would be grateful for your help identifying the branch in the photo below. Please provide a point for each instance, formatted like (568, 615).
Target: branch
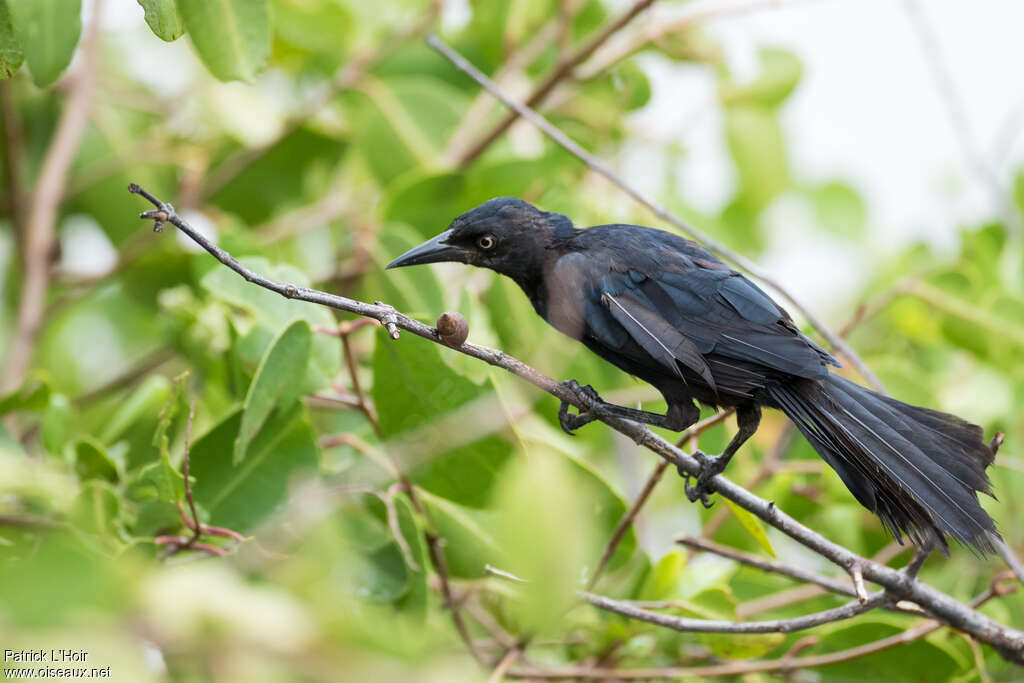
(786, 663)
(564, 69)
(40, 225)
(773, 566)
(686, 625)
(1008, 641)
(658, 210)
(176, 544)
(626, 523)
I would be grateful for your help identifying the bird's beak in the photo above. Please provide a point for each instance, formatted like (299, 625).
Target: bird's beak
(431, 251)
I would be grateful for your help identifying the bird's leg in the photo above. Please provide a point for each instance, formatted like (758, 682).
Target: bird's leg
(678, 417)
(748, 418)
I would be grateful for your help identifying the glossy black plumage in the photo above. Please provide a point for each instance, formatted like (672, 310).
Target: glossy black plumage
(669, 312)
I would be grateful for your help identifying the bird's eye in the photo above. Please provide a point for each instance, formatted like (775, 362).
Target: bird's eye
(486, 242)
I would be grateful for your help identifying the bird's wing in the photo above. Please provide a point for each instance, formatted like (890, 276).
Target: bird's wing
(701, 316)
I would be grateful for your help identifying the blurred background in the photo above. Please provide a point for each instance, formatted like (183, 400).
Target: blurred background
(867, 154)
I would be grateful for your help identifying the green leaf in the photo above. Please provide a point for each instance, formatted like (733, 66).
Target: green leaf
(314, 25)
(48, 31)
(144, 402)
(11, 53)
(39, 589)
(663, 581)
(780, 73)
(280, 178)
(753, 525)
(274, 313)
(241, 495)
(416, 392)
(55, 427)
(97, 509)
(276, 384)
(414, 602)
(93, 462)
(232, 37)
(469, 545)
(402, 120)
(159, 481)
(163, 19)
(33, 395)
(759, 151)
(839, 208)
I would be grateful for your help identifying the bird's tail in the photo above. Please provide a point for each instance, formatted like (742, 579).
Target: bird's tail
(919, 470)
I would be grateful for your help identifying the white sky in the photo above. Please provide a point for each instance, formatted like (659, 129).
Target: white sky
(869, 111)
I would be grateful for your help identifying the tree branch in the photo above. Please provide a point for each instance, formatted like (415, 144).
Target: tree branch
(786, 663)
(41, 222)
(564, 69)
(1008, 641)
(658, 210)
(764, 564)
(686, 625)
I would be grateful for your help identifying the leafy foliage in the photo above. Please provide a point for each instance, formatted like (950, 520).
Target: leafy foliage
(312, 459)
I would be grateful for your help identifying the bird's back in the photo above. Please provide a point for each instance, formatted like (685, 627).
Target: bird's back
(667, 310)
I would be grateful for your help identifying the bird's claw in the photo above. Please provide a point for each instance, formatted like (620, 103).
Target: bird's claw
(569, 422)
(710, 466)
(584, 391)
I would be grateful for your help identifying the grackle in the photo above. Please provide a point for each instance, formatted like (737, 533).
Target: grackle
(667, 311)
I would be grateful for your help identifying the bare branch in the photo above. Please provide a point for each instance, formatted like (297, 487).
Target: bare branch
(658, 210)
(1007, 641)
(41, 223)
(564, 69)
(626, 523)
(767, 565)
(738, 668)
(1011, 559)
(687, 625)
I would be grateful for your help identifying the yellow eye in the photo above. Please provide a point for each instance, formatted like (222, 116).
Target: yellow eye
(486, 242)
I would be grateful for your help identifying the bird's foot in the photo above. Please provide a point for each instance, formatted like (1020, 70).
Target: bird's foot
(710, 466)
(585, 392)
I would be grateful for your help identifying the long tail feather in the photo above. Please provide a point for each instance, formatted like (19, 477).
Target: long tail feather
(919, 470)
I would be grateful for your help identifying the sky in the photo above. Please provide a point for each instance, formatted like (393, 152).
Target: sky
(869, 110)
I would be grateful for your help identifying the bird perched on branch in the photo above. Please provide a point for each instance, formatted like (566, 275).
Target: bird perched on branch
(668, 311)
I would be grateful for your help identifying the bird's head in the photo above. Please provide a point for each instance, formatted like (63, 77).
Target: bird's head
(505, 234)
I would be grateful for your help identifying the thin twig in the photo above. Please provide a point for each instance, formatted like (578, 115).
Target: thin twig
(31, 522)
(41, 222)
(510, 658)
(564, 69)
(658, 210)
(502, 574)
(626, 523)
(688, 625)
(186, 463)
(767, 565)
(1007, 641)
(1011, 559)
(176, 544)
(353, 371)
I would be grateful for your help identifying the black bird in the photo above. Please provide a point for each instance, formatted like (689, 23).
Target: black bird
(668, 311)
